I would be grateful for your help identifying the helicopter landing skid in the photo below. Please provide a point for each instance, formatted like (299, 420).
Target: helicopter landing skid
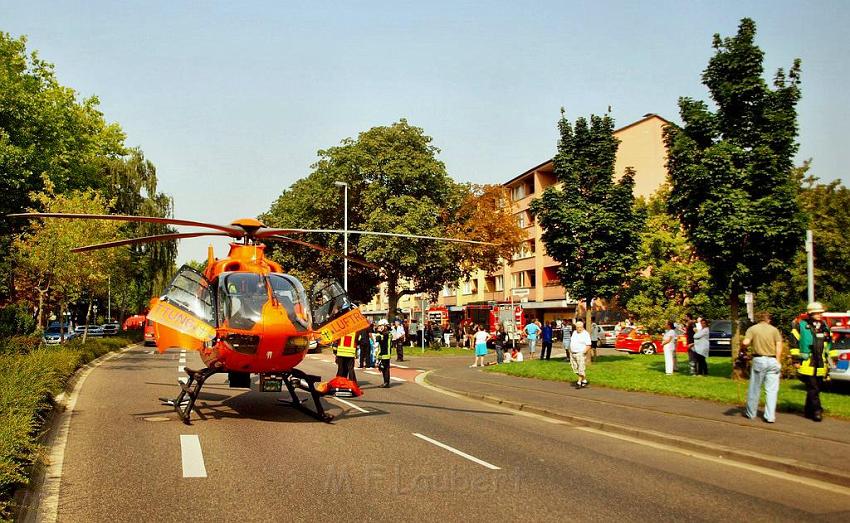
(296, 378)
(189, 391)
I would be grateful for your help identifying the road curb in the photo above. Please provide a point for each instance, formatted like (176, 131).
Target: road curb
(43, 486)
(789, 466)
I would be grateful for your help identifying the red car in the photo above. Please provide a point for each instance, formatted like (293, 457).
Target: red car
(150, 335)
(636, 340)
(137, 321)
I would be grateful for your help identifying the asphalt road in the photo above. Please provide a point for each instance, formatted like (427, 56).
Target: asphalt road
(127, 456)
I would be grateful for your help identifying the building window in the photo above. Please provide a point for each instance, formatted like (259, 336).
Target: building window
(526, 250)
(467, 287)
(500, 283)
(519, 279)
(520, 220)
(447, 291)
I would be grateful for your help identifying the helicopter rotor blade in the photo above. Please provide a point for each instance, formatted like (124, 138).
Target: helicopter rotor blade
(271, 232)
(146, 239)
(352, 259)
(231, 231)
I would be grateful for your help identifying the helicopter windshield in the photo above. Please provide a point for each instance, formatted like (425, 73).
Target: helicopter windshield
(289, 292)
(241, 299)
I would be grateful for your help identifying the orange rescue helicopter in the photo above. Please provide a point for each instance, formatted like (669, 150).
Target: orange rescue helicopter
(244, 314)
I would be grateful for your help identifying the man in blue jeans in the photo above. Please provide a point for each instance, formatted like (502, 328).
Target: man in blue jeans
(531, 331)
(765, 342)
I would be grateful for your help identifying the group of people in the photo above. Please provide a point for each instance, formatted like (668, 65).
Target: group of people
(373, 347)
(697, 339)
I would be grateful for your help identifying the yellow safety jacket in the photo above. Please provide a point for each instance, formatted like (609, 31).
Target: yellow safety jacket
(813, 347)
(382, 340)
(347, 347)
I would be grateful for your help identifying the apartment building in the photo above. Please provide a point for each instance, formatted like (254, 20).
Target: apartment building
(531, 276)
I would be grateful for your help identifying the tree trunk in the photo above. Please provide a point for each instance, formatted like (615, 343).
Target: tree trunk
(40, 314)
(88, 314)
(392, 296)
(61, 322)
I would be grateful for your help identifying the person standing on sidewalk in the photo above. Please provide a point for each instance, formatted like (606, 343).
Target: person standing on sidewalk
(595, 333)
(814, 342)
(701, 346)
(765, 342)
(546, 334)
(480, 338)
(531, 332)
(579, 345)
(668, 345)
(499, 337)
(398, 340)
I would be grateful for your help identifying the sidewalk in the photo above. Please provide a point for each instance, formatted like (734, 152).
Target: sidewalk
(793, 444)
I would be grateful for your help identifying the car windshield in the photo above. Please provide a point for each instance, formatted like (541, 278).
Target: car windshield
(721, 326)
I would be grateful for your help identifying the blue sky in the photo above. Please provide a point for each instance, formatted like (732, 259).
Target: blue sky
(231, 100)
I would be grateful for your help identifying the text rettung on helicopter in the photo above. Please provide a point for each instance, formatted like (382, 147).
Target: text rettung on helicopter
(243, 314)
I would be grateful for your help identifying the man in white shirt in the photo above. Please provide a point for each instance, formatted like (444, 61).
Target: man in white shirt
(398, 340)
(579, 345)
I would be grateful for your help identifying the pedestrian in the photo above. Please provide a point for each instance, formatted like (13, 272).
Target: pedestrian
(481, 337)
(346, 351)
(364, 346)
(411, 331)
(437, 334)
(668, 345)
(691, 328)
(398, 340)
(546, 334)
(499, 337)
(578, 347)
(701, 346)
(532, 330)
(595, 333)
(384, 350)
(765, 341)
(447, 336)
(814, 342)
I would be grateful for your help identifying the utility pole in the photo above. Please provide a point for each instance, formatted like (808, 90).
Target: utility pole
(344, 185)
(810, 264)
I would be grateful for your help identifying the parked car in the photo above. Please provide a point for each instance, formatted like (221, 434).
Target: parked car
(95, 331)
(110, 329)
(720, 336)
(609, 336)
(839, 364)
(137, 321)
(150, 335)
(52, 336)
(637, 340)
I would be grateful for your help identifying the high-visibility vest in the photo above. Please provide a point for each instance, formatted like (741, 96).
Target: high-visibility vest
(347, 346)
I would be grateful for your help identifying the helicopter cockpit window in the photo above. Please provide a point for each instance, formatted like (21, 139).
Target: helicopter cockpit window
(329, 300)
(241, 297)
(289, 292)
(190, 292)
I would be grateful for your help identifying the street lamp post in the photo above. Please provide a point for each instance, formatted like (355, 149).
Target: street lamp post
(344, 185)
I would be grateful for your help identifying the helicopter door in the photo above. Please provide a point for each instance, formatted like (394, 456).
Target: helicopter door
(184, 316)
(334, 315)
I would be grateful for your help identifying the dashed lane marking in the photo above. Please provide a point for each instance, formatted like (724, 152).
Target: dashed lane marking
(192, 456)
(456, 451)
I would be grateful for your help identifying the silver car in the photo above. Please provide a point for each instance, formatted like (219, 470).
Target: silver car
(608, 336)
(52, 336)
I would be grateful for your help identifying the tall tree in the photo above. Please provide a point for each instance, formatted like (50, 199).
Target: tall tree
(590, 223)
(668, 280)
(46, 133)
(396, 184)
(731, 170)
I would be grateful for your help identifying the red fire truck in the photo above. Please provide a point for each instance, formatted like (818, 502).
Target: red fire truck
(491, 315)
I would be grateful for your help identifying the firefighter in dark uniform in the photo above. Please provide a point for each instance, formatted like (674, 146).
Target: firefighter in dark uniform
(346, 352)
(814, 342)
(383, 340)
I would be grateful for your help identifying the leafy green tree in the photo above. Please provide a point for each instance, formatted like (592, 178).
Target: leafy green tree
(731, 170)
(43, 254)
(396, 184)
(669, 280)
(590, 223)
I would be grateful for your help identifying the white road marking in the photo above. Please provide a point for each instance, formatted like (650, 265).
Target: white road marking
(400, 366)
(352, 405)
(397, 379)
(180, 368)
(183, 379)
(372, 372)
(193, 458)
(456, 451)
